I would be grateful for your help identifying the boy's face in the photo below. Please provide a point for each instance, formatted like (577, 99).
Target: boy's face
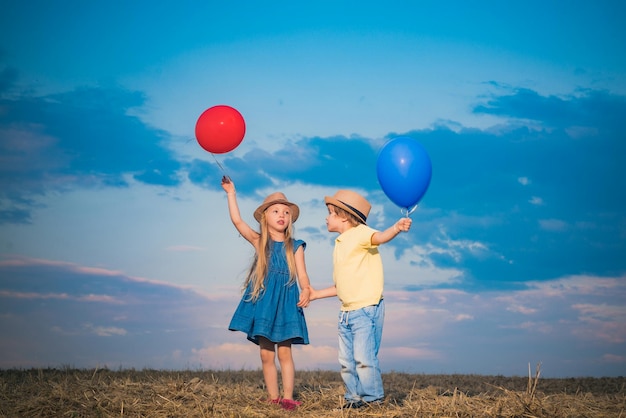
(334, 222)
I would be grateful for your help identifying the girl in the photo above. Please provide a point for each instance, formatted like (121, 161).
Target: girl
(270, 311)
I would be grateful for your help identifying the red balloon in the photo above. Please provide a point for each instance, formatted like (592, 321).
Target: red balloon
(220, 129)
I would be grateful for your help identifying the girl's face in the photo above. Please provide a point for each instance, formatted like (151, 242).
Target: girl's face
(278, 217)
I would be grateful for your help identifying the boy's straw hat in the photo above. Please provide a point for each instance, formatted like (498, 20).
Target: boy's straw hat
(351, 202)
(273, 199)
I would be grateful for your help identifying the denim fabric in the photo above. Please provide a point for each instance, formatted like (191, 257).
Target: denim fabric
(275, 315)
(360, 333)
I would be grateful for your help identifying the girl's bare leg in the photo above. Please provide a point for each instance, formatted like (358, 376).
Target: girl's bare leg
(270, 373)
(287, 368)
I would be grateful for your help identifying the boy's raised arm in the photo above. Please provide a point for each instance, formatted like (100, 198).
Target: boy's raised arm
(381, 237)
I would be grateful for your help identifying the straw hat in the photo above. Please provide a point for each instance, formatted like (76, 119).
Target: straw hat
(351, 202)
(273, 199)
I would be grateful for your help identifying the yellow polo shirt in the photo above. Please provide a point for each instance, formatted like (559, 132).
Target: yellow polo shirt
(357, 269)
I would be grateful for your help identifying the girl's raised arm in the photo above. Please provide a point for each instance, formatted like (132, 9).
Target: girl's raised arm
(235, 216)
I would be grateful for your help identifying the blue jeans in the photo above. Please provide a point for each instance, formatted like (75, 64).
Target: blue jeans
(360, 333)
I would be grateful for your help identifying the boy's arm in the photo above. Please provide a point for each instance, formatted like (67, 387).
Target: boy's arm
(381, 237)
(323, 293)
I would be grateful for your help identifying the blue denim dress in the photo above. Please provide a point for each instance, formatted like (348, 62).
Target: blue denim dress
(275, 314)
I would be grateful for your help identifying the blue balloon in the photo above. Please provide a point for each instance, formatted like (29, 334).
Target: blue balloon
(404, 170)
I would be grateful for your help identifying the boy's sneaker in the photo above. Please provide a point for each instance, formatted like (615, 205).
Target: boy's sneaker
(290, 404)
(360, 404)
(353, 405)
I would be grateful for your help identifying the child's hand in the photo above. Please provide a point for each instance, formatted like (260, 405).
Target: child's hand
(228, 185)
(404, 224)
(305, 298)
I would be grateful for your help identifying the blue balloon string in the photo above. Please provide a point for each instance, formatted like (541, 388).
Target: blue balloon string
(406, 211)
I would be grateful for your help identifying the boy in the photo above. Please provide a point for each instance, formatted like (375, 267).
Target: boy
(358, 282)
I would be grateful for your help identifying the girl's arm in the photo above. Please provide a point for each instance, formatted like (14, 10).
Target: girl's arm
(233, 209)
(390, 233)
(303, 279)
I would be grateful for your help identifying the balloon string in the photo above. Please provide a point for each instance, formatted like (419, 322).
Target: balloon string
(225, 178)
(406, 211)
(218, 164)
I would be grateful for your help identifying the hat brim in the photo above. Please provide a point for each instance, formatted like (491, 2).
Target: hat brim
(332, 201)
(295, 210)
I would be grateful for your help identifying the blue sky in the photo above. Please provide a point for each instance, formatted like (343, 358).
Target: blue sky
(115, 244)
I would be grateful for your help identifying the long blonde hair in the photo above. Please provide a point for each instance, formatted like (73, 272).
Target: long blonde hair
(260, 265)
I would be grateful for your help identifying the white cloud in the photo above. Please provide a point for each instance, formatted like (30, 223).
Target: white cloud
(415, 267)
(457, 247)
(60, 296)
(604, 322)
(614, 358)
(312, 356)
(554, 225)
(227, 356)
(521, 309)
(576, 285)
(463, 317)
(409, 354)
(104, 331)
(420, 334)
(533, 326)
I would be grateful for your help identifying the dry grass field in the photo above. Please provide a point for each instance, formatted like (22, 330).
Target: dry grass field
(152, 393)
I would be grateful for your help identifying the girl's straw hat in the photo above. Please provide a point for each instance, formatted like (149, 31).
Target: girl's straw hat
(351, 202)
(273, 199)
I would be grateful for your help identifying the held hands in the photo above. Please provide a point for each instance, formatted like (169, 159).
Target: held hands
(305, 297)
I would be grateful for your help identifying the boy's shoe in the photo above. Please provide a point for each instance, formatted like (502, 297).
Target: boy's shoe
(353, 405)
(360, 404)
(290, 404)
(276, 401)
